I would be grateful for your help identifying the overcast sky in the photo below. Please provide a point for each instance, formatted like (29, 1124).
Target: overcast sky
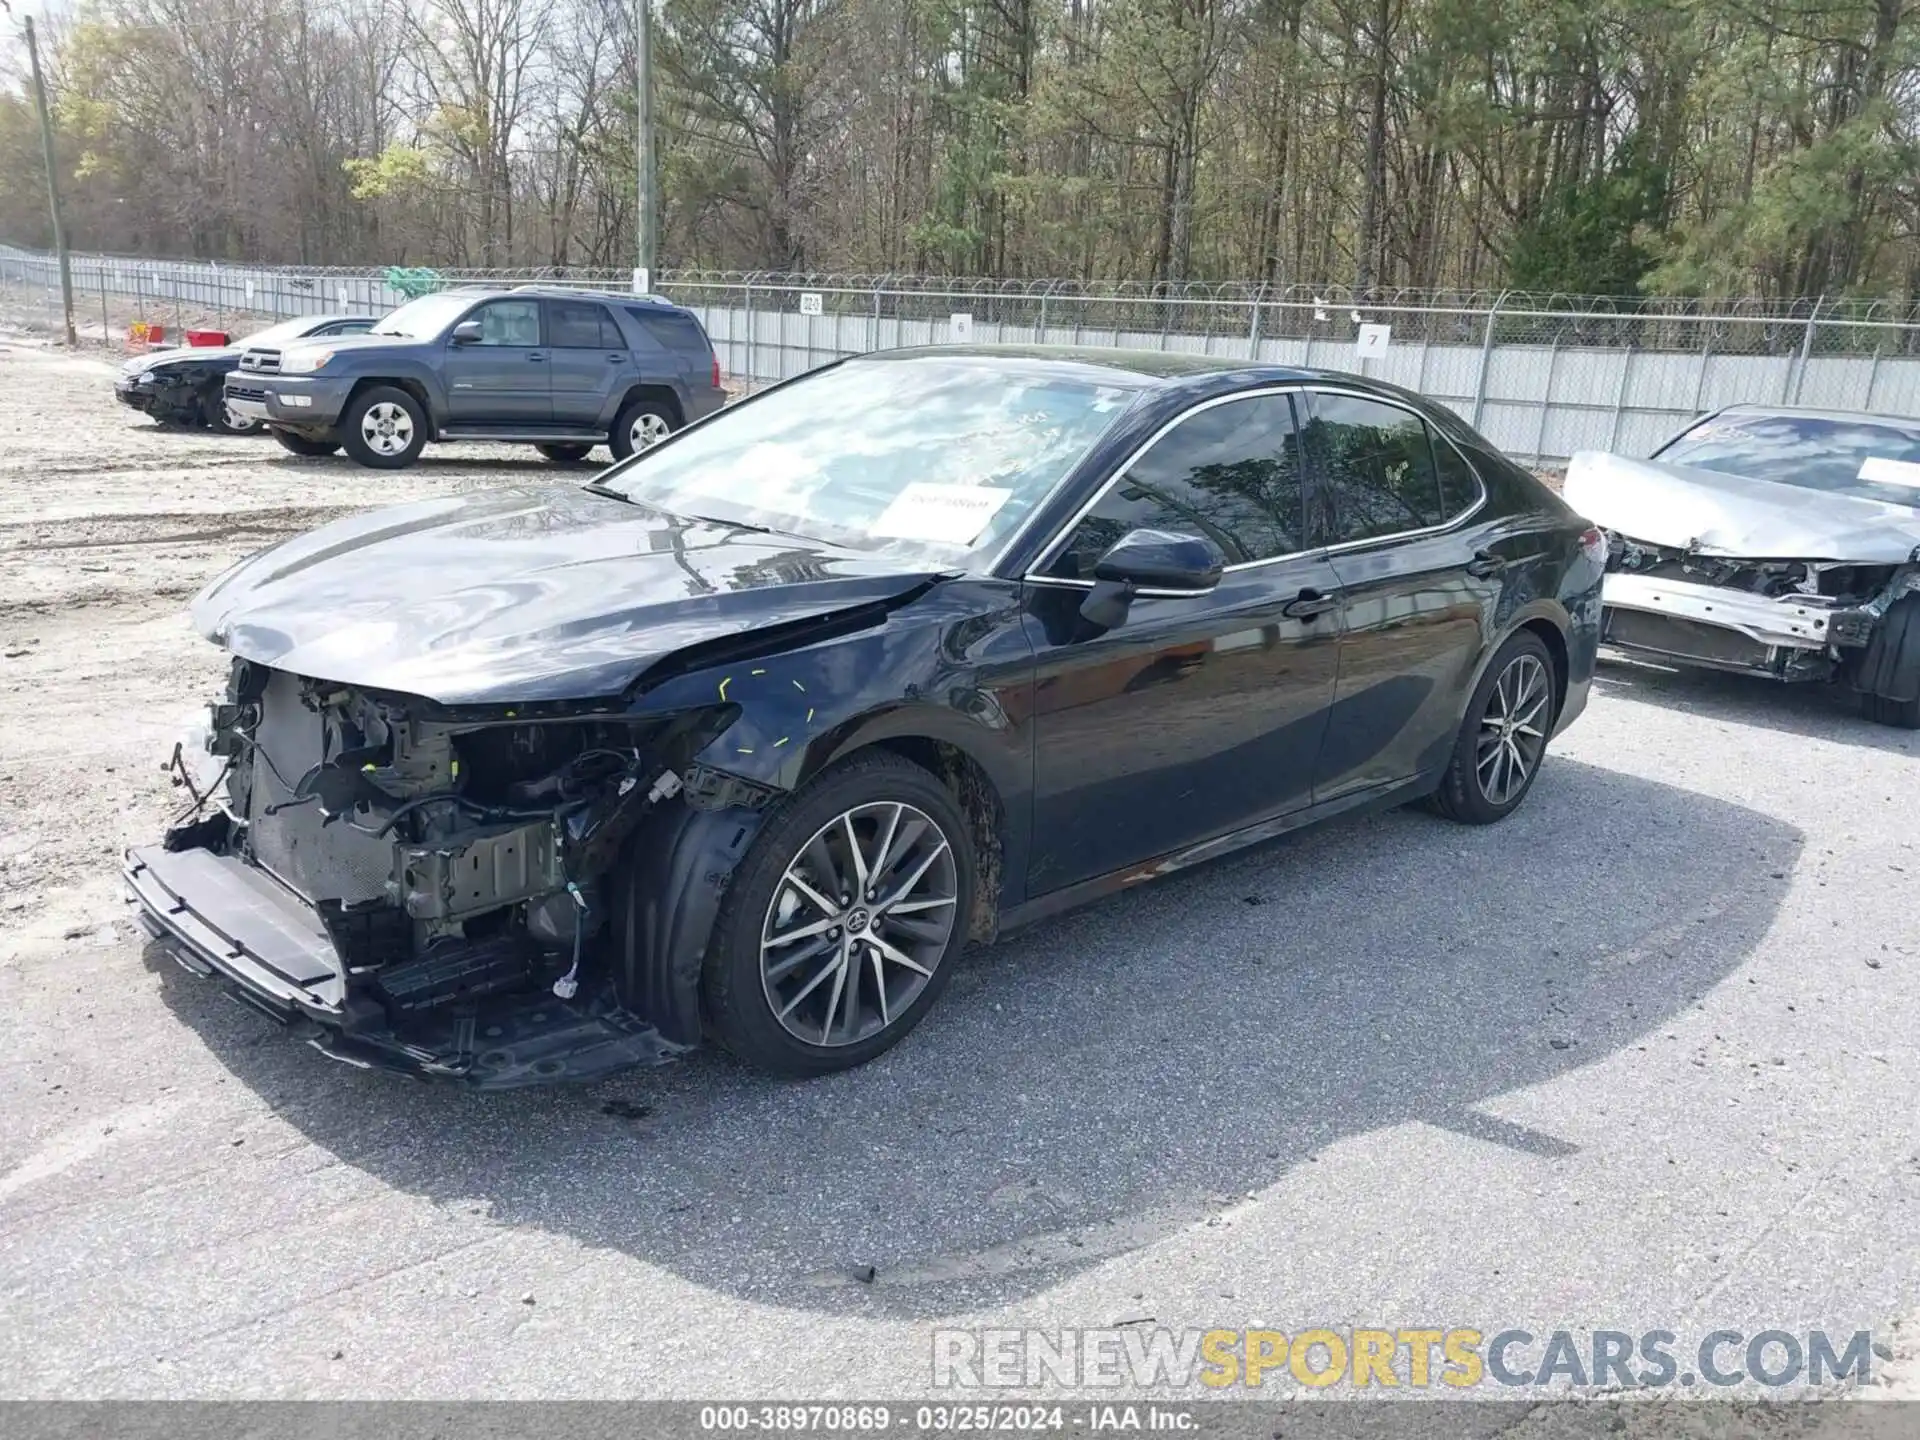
(13, 44)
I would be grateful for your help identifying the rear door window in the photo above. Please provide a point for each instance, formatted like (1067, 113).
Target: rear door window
(581, 325)
(1379, 468)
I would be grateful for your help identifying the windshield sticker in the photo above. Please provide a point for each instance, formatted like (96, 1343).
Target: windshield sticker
(1890, 472)
(940, 514)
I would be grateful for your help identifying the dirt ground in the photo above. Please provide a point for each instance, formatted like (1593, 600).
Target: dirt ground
(108, 525)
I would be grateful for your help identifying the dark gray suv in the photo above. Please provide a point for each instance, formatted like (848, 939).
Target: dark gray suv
(563, 370)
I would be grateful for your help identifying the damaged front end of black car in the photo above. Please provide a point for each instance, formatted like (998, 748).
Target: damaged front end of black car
(450, 834)
(454, 868)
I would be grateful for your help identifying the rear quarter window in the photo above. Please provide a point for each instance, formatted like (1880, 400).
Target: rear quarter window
(679, 333)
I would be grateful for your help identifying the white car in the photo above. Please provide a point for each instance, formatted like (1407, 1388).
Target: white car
(1776, 542)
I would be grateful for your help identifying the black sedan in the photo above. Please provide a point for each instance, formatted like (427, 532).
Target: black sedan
(750, 735)
(185, 386)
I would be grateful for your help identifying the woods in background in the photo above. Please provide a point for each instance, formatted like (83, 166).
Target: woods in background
(1767, 147)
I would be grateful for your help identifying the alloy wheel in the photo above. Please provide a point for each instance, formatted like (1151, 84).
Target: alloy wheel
(858, 923)
(238, 423)
(1513, 729)
(648, 430)
(387, 428)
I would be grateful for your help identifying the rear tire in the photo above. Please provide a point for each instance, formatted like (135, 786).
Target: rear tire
(1503, 737)
(1889, 673)
(384, 428)
(564, 454)
(306, 445)
(642, 425)
(835, 977)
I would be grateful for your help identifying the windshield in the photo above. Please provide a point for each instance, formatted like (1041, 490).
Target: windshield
(935, 457)
(1866, 459)
(424, 318)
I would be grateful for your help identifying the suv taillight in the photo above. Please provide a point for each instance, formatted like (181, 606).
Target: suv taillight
(716, 370)
(1593, 541)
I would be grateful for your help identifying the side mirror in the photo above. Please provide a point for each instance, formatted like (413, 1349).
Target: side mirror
(467, 332)
(1163, 561)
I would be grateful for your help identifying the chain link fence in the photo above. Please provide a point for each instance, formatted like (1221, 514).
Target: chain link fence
(1541, 376)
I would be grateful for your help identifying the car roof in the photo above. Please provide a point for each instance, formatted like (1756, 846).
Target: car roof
(1174, 374)
(577, 292)
(1812, 412)
(1149, 367)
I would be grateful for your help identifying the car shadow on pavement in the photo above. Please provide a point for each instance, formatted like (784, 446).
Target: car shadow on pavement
(1112, 1078)
(1825, 712)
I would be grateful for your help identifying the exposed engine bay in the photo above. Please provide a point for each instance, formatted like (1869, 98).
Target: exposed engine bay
(457, 865)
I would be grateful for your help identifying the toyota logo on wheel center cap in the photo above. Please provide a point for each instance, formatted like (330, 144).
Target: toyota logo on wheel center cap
(856, 922)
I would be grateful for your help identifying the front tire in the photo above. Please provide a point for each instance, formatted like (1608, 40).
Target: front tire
(307, 445)
(640, 426)
(841, 926)
(1889, 674)
(384, 428)
(1503, 737)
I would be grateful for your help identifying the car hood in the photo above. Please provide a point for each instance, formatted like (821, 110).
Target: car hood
(1719, 514)
(362, 341)
(518, 595)
(153, 359)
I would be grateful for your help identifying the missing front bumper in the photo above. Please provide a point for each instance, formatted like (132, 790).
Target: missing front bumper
(223, 918)
(1703, 625)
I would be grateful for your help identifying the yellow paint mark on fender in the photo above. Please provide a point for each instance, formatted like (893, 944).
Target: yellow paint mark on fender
(809, 714)
(798, 686)
(781, 741)
(723, 686)
(758, 672)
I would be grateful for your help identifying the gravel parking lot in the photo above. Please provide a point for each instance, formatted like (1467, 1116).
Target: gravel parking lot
(1642, 1057)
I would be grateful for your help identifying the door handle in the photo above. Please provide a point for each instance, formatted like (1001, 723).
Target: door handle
(615, 359)
(534, 357)
(1485, 563)
(1309, 603)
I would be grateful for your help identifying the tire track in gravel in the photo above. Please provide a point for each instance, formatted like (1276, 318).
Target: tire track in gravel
(161, 528)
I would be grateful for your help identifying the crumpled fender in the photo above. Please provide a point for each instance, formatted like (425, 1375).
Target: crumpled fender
(940, 674)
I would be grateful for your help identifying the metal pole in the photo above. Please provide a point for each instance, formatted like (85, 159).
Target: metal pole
(1486, 352)
(753, 375)
(53, 186)
(1546, 399)
(643, 133)
(1806, 348)
(1620, 399)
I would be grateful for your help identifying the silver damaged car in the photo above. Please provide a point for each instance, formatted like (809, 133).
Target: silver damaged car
(1777, 542)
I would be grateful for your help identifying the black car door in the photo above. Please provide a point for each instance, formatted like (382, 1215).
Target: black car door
(1197, 714)
(1418, 581)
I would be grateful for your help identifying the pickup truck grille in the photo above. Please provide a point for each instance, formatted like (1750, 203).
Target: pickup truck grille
(266, 362)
